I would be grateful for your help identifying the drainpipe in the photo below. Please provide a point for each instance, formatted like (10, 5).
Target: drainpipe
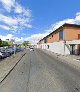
(64, 46)
(64, 42)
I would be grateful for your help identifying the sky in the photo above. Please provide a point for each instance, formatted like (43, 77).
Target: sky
(31, 20)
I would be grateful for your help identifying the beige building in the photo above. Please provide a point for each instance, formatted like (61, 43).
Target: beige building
(68, 35)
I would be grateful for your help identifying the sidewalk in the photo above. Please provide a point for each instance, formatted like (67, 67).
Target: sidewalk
(71, 60)
(8, 64)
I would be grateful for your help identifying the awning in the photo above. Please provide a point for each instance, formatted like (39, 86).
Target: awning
(73, 42)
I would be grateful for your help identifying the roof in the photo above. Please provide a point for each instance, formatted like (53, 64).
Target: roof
(64, 25)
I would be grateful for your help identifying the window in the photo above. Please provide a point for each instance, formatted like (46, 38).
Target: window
(45, 40)
(61, 35)
(79, 36)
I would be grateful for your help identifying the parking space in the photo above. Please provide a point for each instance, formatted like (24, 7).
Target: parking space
(7, 52)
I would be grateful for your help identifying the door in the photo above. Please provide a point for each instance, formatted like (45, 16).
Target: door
(79, 36)
(72, 49)
(48, 46)
(79, 45)
(79, 49)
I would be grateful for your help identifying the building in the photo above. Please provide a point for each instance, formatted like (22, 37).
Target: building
(64, 40)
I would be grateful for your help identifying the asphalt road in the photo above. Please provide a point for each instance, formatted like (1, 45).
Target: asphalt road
(39, 72)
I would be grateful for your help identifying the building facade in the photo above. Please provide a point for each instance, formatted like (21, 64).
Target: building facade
(64, 40)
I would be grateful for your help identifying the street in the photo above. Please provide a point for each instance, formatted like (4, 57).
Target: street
(40, 72)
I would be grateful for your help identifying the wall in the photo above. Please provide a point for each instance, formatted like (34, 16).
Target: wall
(57, 47)
(50, 38)
(71, 33)
(55, 38)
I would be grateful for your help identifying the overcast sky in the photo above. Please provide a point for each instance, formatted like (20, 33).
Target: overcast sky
(33, 19)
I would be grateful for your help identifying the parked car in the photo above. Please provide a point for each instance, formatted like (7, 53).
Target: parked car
(18, 49)
(10, 50)
(2, 55)
(5, 52)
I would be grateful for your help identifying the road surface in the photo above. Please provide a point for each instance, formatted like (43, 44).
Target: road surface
(39, 72)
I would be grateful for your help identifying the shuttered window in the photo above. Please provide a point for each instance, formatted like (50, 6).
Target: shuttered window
(61, 35)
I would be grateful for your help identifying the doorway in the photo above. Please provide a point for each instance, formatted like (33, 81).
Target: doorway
(48, 46)
(72, 49)
(79, 36)
(79, 49)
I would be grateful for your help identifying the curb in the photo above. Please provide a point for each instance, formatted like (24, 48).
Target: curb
(12, 68)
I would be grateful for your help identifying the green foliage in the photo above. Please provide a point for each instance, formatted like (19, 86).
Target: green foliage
(10, 43)
(18, 45)
(4, 43)
(25, 43)
(0, 42)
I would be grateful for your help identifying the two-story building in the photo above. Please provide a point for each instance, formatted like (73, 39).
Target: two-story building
(64, 40)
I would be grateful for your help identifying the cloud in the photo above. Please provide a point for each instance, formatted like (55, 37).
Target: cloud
(28, 25)
(36, 37)
(16, 23)
(60, 23)
(8, 20)
(8, 4)
(21, 17)
(10, 37)
(21, 10)
(75, 20)
(18, 8)
(13, 5)
(5, 27)
(19, 40)
(24, 34)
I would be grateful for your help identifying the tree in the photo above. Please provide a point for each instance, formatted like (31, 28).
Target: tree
(4, 43)
(10, 43)
(0, 42)
(26, 43)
